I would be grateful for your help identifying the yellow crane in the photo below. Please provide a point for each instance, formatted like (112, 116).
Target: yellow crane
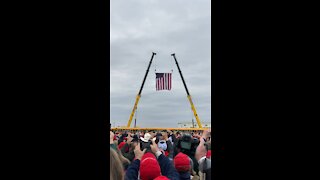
(188, 94)
(139, 94)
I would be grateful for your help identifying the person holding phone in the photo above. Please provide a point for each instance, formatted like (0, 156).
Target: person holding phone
(145, 142)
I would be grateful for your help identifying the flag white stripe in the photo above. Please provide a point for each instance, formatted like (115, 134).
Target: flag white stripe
(165, 81)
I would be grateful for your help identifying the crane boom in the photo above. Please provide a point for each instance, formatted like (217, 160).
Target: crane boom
(139, 94)
(189, 96)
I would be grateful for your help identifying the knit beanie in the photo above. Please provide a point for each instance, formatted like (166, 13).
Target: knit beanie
(182, 162)
(149, 167)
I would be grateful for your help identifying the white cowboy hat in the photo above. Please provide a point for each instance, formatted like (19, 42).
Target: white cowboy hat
(146, 138)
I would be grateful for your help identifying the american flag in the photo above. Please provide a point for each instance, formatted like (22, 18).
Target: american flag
(163, 81)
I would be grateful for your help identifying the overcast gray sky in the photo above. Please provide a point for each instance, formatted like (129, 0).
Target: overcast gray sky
(140, 27)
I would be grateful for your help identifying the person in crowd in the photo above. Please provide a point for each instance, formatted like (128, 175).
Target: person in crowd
(146, 141)
(112, 144)
(116, 168)
(146, 137)
(124, 161)
(128, 148)
(151, 165)
(175, 138)
(184, 166)
(123, 137)
(201, 156)
(193, 173)
(165, 145)
(187, 144)
(141, 134)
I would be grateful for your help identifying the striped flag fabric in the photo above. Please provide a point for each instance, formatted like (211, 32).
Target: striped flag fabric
(163, 81)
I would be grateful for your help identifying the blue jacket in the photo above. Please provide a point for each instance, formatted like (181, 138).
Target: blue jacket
(133, 170)
(185, 176)
(167, 169)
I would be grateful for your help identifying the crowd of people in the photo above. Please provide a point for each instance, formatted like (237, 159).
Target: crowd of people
(160, 155)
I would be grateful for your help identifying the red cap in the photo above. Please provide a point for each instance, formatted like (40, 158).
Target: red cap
(121, 145)
(182, 162)
(149, 167)
(209, 154)
(161, 178)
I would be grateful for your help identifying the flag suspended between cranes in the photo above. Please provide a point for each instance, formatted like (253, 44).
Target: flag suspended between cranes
(163, 81)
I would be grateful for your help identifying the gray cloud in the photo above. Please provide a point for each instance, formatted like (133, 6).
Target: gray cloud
(140, 27)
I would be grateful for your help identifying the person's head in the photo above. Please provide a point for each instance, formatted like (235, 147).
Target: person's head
(116, 168)
(182, 162)
(135, 137)
(163, 135)
(134, 141)
(149, 167)
(162, 144)
(146, 137)
(178, 134)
